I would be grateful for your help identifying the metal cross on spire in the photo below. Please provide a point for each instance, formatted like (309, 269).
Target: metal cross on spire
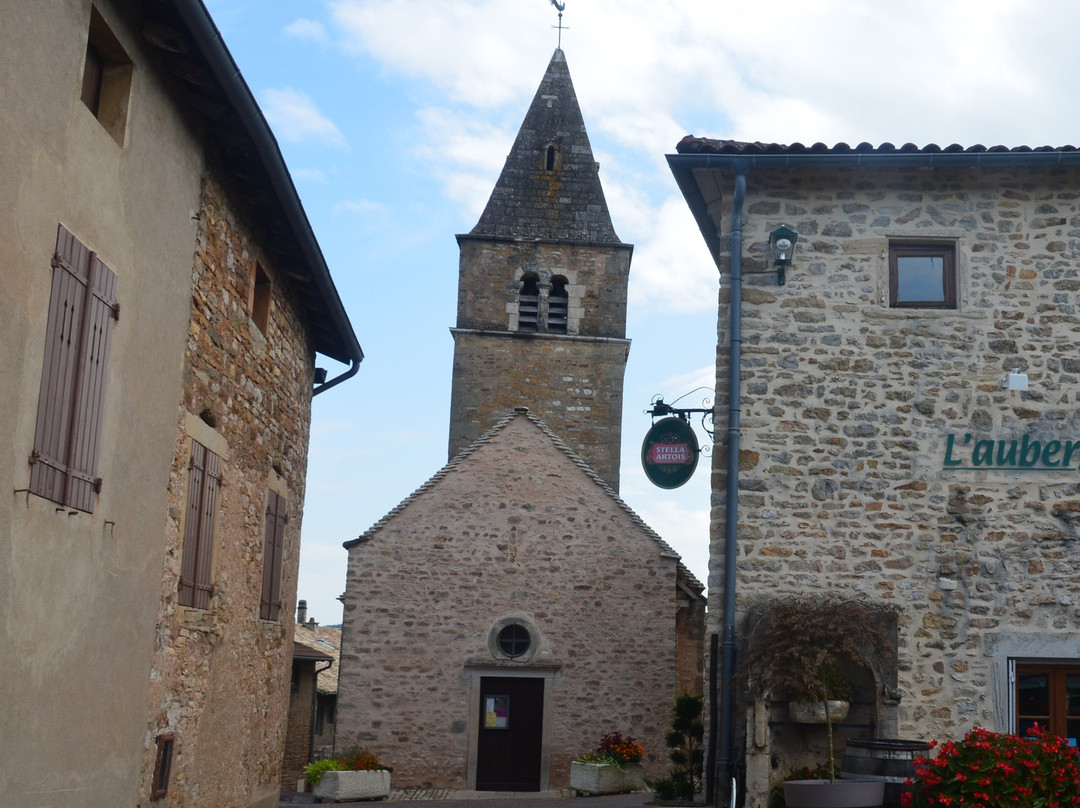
(561, 8)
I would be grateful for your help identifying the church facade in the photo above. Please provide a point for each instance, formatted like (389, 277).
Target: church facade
(513, 610)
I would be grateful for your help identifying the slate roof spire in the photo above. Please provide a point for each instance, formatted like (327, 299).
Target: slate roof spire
(550, 188)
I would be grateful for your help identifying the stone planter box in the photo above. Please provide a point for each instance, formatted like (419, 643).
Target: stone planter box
(603, 778)
(353, 786)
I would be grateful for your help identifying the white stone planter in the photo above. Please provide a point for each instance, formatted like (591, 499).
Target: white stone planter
(603, 778)
(351, 786)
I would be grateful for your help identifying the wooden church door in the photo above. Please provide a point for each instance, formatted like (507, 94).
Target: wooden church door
(510, 738)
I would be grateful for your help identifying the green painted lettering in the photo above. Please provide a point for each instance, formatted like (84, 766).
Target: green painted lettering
(983, 453)
(1006, 458)
(948, 452)
(1029, 452)
(1051, 448)
(1070, 446)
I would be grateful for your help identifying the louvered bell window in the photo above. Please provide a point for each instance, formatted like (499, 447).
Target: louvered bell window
(529, 304)
(558, 306)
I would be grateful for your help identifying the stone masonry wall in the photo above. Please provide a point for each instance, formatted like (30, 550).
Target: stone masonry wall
(490, 269)
(515, 529)
(299, 725)
(220, 680)
(574, 384)
(847, 406)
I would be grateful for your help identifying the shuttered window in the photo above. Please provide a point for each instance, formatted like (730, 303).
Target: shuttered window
(529, 304)
(82, 309)
(197, 560)
(273, 547)
(558, 306)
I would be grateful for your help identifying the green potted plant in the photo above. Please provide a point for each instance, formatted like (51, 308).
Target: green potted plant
(684, 741)
(797, 649)
(613, 767)
(998, 771)
(356, 775)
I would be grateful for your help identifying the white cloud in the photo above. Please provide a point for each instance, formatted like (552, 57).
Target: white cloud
(364, 207)
(308, 30)
(295, 117)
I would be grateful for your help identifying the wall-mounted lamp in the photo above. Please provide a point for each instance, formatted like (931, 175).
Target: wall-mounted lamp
(782, 246)
(1015, 381)
(320, 375)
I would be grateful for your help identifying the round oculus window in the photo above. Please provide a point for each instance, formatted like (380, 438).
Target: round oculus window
(514, 640)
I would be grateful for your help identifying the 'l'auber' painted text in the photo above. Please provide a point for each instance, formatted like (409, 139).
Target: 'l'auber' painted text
(1011, 455)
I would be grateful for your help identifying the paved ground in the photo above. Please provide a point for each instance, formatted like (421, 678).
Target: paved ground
(487, 799)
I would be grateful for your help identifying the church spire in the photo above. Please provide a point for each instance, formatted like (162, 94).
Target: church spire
(550, 188)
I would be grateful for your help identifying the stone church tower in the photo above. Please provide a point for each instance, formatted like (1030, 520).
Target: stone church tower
(541, 318)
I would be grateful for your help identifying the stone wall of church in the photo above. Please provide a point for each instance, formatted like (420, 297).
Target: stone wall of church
(867, 429)
(514, 530)
(575, 384)
(490, 273)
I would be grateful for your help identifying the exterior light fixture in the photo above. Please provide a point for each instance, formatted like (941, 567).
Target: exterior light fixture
(1015, 381)
(782, 246)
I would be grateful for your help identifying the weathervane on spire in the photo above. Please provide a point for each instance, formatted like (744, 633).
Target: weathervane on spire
(561, 7)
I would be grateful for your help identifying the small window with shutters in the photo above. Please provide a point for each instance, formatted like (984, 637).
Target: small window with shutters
(83, 309)
(197, 558)
(273, 548)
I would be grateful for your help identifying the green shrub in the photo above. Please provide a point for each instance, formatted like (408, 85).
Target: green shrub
(687, 755)
(313, 772)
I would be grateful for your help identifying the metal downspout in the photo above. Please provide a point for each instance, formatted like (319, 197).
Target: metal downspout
(315, 711)
(731, 513)
(348, 374)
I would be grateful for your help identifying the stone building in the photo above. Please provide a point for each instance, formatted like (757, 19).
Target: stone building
(539, 588)
(308, 665)
(909, 423)
(312, 737)
(541, 318)
(164, 300)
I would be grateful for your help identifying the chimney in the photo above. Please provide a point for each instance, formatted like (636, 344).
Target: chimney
(301, 611)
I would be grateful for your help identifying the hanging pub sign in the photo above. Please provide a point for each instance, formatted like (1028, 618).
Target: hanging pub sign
(669, 453)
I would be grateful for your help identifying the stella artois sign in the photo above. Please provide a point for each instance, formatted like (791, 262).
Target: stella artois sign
(669, 453)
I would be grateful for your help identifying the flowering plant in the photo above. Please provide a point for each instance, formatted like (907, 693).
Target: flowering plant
(353, 759)
(990, 770)
(615, 749)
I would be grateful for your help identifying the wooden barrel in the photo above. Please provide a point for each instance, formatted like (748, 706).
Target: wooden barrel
(885, 759)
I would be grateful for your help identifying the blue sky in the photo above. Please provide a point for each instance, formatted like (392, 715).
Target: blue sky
(395, 117)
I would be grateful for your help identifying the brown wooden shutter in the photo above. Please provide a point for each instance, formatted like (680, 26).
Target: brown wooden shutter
(273, 552)
(82, 306)
(197, 556)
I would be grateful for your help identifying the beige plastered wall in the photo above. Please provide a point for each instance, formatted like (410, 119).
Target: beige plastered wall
(79, 592)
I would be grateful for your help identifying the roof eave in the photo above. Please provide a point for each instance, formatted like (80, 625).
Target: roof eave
(212, 47)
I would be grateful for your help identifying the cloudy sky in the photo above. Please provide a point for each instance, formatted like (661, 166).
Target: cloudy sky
(395, 117)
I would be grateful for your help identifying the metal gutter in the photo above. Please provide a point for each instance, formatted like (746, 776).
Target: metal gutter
(683, 167)
(212, 47)
(354, 366)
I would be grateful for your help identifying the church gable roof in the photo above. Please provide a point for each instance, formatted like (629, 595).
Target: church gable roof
(493, 435)
(550, 188)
